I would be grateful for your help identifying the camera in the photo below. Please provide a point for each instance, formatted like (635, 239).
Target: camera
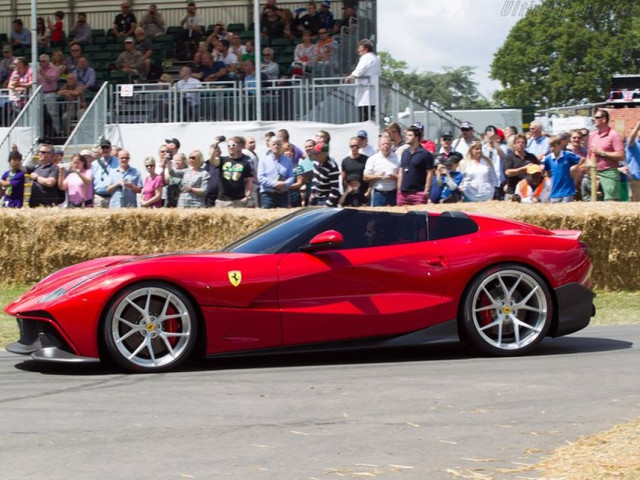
(221, 138)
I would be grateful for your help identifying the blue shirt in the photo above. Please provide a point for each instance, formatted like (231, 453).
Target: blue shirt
(101, 171)
(561, 182)
(538, 146)
(271, 171)
(632, 153)
(124, 197)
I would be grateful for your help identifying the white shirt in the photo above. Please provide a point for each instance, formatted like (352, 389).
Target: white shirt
(479, 180)
(190, 84)
(368, 66)
(377, 164)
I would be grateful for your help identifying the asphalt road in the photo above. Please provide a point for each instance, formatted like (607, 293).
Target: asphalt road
(427, 413)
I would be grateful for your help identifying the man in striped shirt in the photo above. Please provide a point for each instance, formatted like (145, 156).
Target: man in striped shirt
(326, 176)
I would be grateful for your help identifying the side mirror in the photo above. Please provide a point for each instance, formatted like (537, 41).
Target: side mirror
(327, 240)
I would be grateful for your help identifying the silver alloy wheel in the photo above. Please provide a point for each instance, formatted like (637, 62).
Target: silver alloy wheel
(151, 328)
(509, 310)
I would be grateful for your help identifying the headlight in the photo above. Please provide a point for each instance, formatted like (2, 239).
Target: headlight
(69, 286)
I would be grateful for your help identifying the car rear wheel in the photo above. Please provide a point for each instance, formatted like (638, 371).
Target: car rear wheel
(507, 310)
(150, 327)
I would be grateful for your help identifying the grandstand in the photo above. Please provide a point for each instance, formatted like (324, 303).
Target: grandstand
(319, 96)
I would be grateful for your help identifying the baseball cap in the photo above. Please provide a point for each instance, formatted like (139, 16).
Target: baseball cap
(6, 48)
(175, 141)
(326, 3)
(362, 134)
(418, 125)
(450, 160)
(466, 125)
(86, 152)
(447, 133)
(105, 143)
(534, 168)
(58, 151)
(321, 147)
(129, 40)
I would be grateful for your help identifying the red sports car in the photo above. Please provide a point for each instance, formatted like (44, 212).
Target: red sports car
(317, 279)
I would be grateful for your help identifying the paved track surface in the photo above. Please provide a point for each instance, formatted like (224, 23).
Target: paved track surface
(401, 414)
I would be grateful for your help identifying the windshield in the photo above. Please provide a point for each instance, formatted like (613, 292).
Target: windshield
(286, 231)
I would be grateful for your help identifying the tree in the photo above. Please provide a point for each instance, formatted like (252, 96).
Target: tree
(454, 88)
(564, 52)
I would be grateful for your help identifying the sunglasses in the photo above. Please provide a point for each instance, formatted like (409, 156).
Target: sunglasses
(124, 158)
(598, 116)
(465, 129)
(192, 158)
(42, 152)
(353, 146)
(446, 139)
(149, 166)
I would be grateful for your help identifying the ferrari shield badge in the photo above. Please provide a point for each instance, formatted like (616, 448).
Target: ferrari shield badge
(235, 277)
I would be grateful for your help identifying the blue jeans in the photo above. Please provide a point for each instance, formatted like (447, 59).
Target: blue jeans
(381, 199)
(275, 200)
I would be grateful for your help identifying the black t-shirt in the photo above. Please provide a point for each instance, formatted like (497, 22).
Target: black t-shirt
(355, 166)
(123, 22)
(514, 161)
(233, 172)
(41, 195)
(414, 169)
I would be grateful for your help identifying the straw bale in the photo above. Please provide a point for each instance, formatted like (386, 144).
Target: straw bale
(36, 242)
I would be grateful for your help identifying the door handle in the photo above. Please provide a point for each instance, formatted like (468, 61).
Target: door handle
(437, 262)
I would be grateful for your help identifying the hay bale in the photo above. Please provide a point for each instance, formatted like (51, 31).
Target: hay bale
(37, 242)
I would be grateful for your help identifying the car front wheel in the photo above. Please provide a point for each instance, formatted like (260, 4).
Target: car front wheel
(150, 327)
(507, 310)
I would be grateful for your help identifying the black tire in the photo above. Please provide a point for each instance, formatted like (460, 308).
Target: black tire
(150, 327)
(507, 310)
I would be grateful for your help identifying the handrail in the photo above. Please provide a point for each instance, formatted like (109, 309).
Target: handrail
(95, 113)
(24, 131)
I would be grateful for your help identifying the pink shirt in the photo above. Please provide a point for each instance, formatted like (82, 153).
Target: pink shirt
(607, 141)
(77, 191)
(50, 84)
(149, 189)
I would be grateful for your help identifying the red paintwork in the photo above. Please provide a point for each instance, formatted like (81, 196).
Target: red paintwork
(301, 298)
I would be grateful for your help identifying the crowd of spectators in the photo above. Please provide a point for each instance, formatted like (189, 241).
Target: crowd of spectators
(405, 169)
(301, 41)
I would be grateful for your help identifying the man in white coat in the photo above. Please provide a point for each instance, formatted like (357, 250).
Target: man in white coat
(366, 73)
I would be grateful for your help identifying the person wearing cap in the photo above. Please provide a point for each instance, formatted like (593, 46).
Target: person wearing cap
(515, 164)
(446, 181)
(130, 60)
(366, 75)
(236, 176)
(44, 178)
(325, 186)
(560, 163)
(77, 181)
(416, 171)
(101, 169)
(325, 16)
(381, 171)
(125, 22)
(275, 176)
(534, 187)
(446, 149)
(465, 140)
(125, 182)
(364, 148)
(152, 22)
(6, 65)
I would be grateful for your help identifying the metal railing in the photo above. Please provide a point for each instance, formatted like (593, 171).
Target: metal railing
(91, 126)
(25, 130)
